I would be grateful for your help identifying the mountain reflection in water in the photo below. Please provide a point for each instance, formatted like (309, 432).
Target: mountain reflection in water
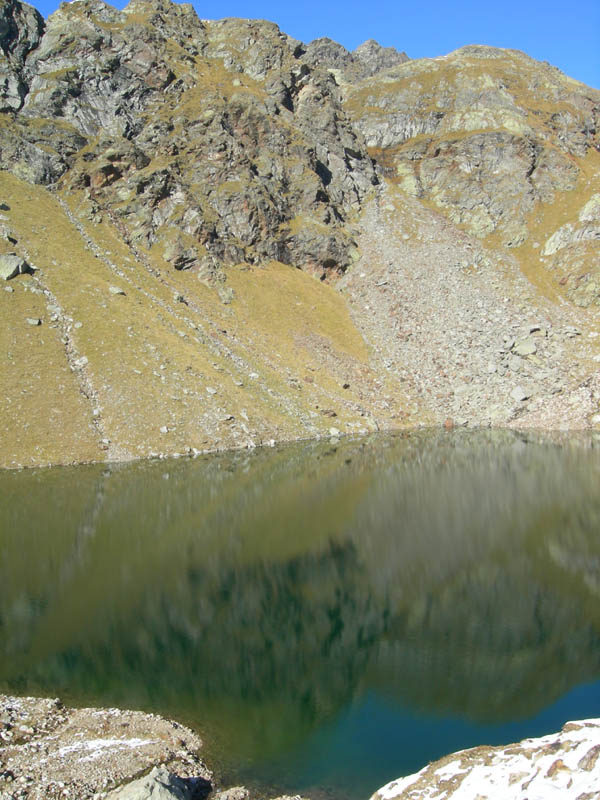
(385, 599)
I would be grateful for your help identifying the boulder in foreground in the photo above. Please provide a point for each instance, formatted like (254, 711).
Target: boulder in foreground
(12, 265)
(160, 784)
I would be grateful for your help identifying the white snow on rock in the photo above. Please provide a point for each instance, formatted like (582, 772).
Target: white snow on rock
(563, 765)
(91, 749)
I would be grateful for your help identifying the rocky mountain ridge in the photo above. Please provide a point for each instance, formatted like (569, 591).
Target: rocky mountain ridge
(198, 176)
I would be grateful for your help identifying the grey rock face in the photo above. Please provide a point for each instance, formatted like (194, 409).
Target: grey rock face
(212, 172)
(217, 142)
(485, 181)
(12, 265)
(327, 53)
(374, 58)
(487, 135)
(21, 28)
(367, 60)
(98, 67)
(573, 255)
(267, 167)
(41, 153)
(159, 784)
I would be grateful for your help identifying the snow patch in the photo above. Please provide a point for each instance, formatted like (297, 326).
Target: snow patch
(560, 766)
(92, 749)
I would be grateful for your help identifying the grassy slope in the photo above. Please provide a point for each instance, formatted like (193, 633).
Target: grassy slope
(269, 364)
(45, 417)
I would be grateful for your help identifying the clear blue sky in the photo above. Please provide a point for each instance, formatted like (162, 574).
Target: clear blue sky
(567, 34)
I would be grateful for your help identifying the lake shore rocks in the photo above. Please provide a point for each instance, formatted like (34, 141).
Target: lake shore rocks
(564, 765)
(50, 751)
(160, 784)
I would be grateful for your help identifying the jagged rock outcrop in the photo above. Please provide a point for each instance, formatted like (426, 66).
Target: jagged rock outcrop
(21, 28)
(367, 60)
(215, 140)
(98, 68)
(487, 135)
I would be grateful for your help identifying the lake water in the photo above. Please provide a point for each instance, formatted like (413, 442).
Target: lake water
(327, 616)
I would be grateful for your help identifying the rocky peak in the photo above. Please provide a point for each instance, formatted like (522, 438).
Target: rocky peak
(325, 52)
(256, 48)
(376, 58)
(368, 59)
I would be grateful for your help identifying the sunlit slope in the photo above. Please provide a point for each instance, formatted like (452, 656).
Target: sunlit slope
(132, 357)
(505, 146)
(240, 237)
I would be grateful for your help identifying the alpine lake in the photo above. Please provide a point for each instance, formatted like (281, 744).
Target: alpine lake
(328, 616)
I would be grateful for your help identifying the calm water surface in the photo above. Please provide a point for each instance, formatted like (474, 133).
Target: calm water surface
(329, 617)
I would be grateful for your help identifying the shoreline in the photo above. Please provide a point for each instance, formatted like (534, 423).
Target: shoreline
(50, 751)
(551, 435)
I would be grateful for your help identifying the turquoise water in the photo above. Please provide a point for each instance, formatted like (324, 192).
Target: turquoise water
(328, 617)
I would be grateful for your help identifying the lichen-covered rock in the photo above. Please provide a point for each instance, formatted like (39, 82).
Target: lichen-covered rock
(513, 174)
(563, 765)
(572, 255)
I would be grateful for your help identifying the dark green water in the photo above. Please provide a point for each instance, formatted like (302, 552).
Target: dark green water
(328, 617)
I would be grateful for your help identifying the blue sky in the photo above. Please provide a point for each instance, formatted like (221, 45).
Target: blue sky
(567, 34)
